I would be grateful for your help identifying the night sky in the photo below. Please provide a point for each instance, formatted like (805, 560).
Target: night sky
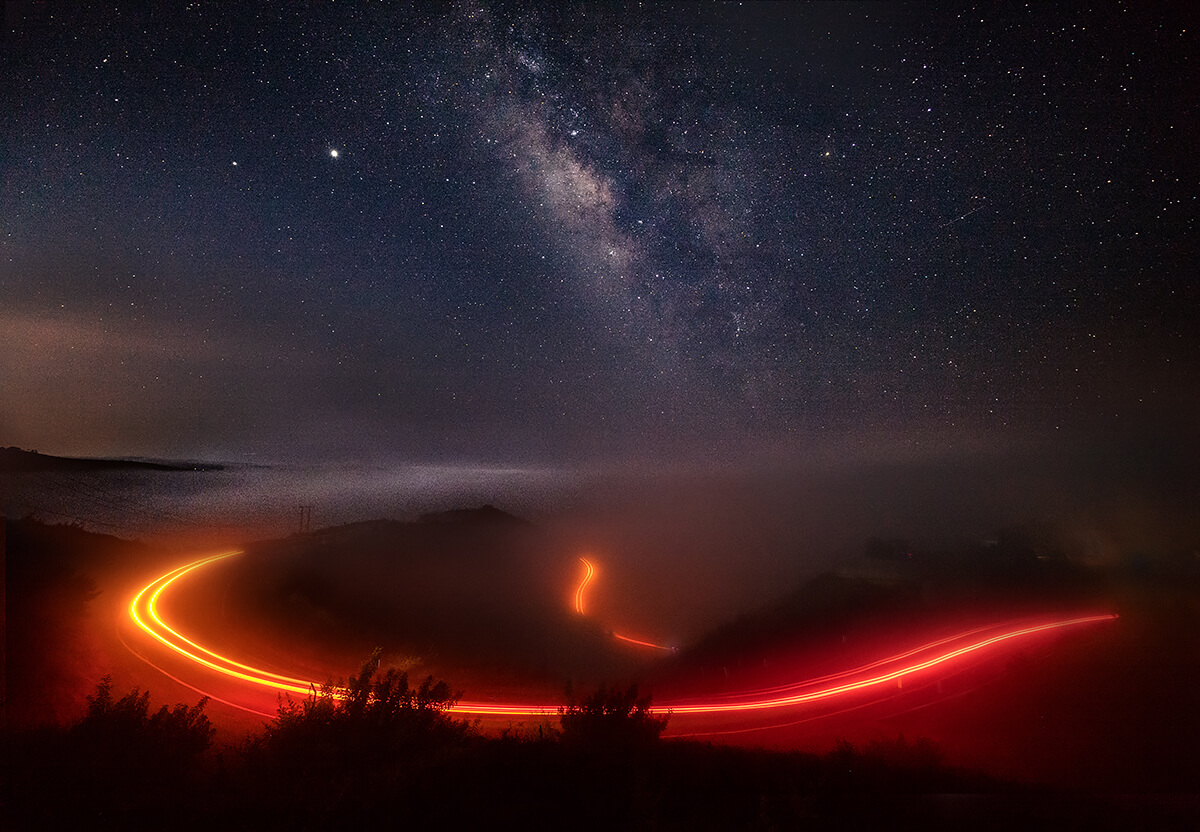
(578, 233)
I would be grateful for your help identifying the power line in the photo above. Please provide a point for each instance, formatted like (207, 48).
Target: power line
(305, 519)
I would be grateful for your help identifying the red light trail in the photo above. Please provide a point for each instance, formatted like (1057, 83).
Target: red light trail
(145, 612)
(811, 690)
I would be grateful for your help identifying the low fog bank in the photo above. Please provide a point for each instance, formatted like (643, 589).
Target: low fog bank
(475, 596)
(692, 547)
(680, 548)
(233, 503)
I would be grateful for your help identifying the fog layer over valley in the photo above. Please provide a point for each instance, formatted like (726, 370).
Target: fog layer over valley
(680, 549)
(478, 597)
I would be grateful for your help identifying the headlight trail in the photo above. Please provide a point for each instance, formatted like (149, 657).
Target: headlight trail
(145, 612)
(641, 643)
(780, 690)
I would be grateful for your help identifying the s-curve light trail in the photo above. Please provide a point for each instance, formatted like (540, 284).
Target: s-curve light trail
(589, 574)
(146, 612)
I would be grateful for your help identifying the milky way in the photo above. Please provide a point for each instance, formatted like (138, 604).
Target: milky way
(576, 232)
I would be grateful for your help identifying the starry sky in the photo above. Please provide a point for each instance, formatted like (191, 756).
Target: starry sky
(567, 233)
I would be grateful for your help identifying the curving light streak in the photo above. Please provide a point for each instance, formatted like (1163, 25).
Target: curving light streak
(144, 611)
(589, 572)
(778, 690)
(747, 703)
(641, 643)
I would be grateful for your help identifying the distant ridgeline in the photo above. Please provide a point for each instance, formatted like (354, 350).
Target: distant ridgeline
(486, 514)
(14, 460)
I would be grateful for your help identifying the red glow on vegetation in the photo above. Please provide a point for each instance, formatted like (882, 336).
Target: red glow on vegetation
(146, 613)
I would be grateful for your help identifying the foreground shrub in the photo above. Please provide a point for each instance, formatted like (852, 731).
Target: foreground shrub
(373, 718)
(124, 729)
(121, 765)
(611, 718)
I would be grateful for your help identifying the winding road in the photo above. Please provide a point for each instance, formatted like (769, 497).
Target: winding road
(150, 612)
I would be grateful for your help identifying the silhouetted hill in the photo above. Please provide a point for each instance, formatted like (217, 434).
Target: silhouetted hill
(15, 460)
(820, 610)
(50, 582)
(892, 587)
(468, 594)
(483, 516)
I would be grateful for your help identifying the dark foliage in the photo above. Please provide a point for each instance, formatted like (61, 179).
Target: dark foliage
(609, 718)
(324, 757)
(376, 718)
(388, 753)
(121, 747)
(121, 765)
(167, 740)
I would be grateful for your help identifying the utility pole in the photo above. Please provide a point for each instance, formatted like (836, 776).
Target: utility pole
(305, 519)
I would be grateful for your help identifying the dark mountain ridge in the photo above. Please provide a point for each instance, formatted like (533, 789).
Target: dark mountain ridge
(16, 460)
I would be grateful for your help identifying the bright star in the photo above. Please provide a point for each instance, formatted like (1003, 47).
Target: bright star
(333, 152)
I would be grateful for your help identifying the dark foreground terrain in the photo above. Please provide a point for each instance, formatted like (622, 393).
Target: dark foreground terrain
(393, 757)
(81, 751)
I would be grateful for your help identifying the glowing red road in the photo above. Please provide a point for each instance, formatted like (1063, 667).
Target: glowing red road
(897, 667)
(145, 611)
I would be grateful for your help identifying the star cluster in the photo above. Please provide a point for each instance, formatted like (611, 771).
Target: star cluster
(573, 231)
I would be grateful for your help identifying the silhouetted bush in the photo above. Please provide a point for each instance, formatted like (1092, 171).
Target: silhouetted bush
(380, 749)
(121, 765)
(888, 766)
(168, 740)
(610, 718)
(373, 718)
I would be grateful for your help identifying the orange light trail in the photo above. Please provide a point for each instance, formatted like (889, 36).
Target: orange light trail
(589, 572)
(145, 612)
